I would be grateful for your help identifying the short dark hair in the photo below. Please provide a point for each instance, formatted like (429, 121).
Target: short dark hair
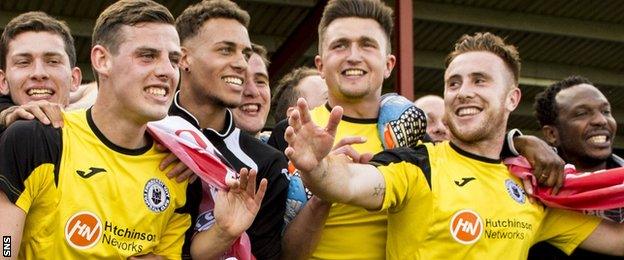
(372, 9)
(36, 22)
(262, 52)
(126, 12)
(194, 16)
(488, 42)
(285, 94)
(545, 105)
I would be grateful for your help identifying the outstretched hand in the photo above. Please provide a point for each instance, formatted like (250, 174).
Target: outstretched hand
(308, 143)
(237, 208)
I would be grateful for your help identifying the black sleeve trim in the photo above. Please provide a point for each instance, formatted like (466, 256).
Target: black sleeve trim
(417, 156)
(276, 140)
(24, 146)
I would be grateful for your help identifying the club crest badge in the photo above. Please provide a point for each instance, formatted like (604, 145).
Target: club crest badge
(515, 191)
(156, 195)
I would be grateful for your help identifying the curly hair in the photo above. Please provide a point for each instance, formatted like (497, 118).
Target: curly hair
(545, 105)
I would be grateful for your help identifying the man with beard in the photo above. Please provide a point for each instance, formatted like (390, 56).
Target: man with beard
(456, 197)
(215, 53)
(576, 119)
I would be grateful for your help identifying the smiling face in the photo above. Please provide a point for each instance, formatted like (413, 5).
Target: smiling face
(38, 68)
(585, 125)
(251, 115)
(142, 76)
(479, 95)
(354, 59)
(216, 59)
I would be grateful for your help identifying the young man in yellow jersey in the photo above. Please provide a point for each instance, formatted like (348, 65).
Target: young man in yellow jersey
(93, 189)
(455, 198)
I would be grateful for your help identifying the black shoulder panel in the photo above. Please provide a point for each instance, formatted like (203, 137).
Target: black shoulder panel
(24, 146)
(417, 156)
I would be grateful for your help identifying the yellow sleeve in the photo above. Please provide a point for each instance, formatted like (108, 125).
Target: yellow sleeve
(39, 180)
(566, 229)
(170, 245)
(403, 181)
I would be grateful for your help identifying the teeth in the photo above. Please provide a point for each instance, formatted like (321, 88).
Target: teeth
(467, 111)
(250, 108)
(354, 72)
(39, 92)
(599, 139)
(157, 91)
(233, 80)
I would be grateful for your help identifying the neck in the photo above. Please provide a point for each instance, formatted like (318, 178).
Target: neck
(584, 164)
(118, 127)
(488, 148)
(357, 108)
(205, 111)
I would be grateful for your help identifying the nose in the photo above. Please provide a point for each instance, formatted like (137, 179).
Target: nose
(39, 71)
(165, 69)
(251, 89)
(599, 119)
(240, 63)
(465, 91)
(355, 54)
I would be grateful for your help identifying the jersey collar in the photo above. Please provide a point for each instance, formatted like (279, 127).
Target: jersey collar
(178, 110)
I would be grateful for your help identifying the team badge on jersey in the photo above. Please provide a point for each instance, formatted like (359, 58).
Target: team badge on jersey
(515, 191)
(156, 195)
(83, 230)
(466, 226)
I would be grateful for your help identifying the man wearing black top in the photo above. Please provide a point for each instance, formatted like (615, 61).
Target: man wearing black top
(216, 47)
(576, 119)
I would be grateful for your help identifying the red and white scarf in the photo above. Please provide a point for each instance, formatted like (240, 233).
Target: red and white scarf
(195, 150)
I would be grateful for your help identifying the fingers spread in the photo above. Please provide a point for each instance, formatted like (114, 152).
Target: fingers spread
(261, 191)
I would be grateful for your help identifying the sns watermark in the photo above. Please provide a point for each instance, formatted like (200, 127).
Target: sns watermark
(6, 246)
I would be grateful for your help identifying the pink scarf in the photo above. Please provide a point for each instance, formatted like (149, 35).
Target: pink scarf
(195, 150)
(599, 193)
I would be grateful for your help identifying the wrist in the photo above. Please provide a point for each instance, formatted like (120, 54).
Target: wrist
(225, 235)
(515, 143)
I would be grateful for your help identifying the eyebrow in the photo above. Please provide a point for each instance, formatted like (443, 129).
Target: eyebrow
(46, 54)
(147, 49)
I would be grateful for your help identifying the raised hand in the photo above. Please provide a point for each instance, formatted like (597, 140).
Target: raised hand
(236, 208)
(308, 143)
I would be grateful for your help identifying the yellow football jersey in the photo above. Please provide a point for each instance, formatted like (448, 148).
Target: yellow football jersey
(87, 198)
(446, 203)
(352, 232)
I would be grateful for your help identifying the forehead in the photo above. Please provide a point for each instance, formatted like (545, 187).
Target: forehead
(256, 65)
(354, 28)
(580, 95)
(35, 43)
(160, 36)
(476, 62)
(223, 30)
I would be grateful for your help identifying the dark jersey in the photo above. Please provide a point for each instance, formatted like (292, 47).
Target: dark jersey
(5, 102)
(243, 150)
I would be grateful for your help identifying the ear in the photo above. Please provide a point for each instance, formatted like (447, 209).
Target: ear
(551, 135)
(184, 60)
(76, 75)
(390, 62)
(4, 85)
(513, 99)
(101, 61)
(319, 65)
